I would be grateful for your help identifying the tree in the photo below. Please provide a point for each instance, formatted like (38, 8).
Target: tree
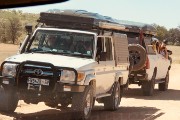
(162, 32)
(3, 31)
(174, 35)
(15, 27)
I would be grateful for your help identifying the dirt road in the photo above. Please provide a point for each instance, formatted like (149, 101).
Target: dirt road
(134, 106)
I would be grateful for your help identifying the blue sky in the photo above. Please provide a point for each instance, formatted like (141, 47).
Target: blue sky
(162, 12)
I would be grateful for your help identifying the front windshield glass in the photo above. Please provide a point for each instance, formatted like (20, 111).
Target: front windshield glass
(62, 42)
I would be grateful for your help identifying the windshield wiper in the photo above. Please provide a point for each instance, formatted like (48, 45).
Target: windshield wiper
(51, 52)
(64, 53)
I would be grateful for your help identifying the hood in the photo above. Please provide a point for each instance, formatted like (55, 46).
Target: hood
(56, 60)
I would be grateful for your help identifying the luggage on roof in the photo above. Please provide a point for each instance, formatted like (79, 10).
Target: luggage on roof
(87, 21)
(83, 20)
(135, 26)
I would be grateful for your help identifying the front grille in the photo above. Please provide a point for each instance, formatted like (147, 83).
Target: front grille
(38, 71)
(34, 71)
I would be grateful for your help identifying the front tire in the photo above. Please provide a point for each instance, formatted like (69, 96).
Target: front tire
(9, 98)
(82, 103)
(112, 102)
(164, 86)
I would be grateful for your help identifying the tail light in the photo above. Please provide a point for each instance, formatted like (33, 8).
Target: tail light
(147, 63)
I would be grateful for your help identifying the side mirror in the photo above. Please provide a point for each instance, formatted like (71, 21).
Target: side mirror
(28, 29)
(103, 56)
(169, 52)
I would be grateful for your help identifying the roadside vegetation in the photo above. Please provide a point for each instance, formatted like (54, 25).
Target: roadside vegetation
(172, 35)
(12, 24)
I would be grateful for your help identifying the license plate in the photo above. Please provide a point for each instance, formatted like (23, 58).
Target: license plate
(37, 81)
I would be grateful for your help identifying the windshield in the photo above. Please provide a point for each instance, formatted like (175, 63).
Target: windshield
(62, 42)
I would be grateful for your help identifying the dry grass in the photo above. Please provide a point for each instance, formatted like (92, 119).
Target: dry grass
(7, 50)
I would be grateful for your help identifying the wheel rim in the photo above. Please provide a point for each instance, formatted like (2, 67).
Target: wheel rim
(135, 56)
(116, 97)
(87, 107)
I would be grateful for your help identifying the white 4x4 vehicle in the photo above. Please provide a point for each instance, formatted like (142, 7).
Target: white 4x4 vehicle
(148, 66)
(81, 67)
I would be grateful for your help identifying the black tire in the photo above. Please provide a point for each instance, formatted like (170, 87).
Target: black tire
(80, 103)
(137, 56)
(112, 102)
(51, 104)
(164, 86)
(148, 86)
(9, 98)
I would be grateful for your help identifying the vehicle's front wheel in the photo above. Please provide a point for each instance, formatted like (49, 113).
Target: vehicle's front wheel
(148, 86)
(82, 103)
(8, 98)
(164, 86)
(112, 102)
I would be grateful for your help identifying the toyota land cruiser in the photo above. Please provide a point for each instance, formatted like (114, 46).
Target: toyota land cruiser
(87, 60)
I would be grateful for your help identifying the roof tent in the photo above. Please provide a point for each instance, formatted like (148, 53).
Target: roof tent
(78, 20)
(83, 20)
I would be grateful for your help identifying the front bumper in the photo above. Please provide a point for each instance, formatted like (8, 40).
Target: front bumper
(59, 87)
(58, 93)
(7, 80)
(40, 91)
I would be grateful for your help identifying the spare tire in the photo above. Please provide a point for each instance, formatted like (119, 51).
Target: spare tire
(137, 56)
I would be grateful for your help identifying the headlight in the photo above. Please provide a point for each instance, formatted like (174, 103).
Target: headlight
(9, 69)
(69, 76)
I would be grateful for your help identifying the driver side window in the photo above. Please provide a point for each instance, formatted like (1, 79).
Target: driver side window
(104, 49)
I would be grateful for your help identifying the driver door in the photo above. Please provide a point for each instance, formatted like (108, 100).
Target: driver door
(104, 66)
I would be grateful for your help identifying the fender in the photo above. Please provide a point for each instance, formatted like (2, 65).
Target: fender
(123, 75)
(91, 80)
(117, 76)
